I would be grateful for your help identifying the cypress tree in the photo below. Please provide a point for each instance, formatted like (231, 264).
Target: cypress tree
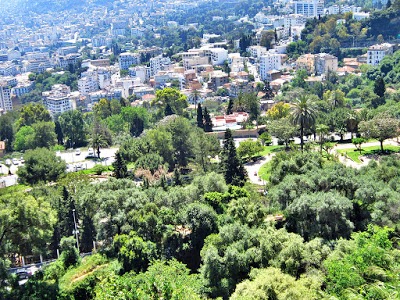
(379, 86)
(59, 133)
(229, 109)
(231, 164)
(200, 123)
(120, 168)
(207, 121)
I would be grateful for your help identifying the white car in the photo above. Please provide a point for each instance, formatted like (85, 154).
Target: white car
(90, 152)
(15, 161)
(78, 152)
(8, 162)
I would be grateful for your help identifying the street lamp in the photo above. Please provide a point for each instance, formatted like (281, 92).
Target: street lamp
(76, 232)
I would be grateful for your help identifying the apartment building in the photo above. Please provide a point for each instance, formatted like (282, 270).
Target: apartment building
(309, 8)
(217, 79)
(270, 61)
(5, 97)
(128, 59)
(88, 84)
(325, 63)
(159, 63)
(376, 53)
(58, 100)
(306, 62)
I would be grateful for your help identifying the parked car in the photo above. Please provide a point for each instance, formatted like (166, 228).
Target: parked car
(8, 162)
(15, 161)
(90, 152)
(78, 152)
(22, 160)
(22, 274)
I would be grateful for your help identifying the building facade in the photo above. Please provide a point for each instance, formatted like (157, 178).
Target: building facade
(5, 97)
(376, 53)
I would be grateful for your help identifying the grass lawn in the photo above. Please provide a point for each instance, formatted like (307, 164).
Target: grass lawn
(265, 171)
(354, 154)
(270, 149)
(89, 265)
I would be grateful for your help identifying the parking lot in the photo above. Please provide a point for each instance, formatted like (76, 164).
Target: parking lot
(76, 159)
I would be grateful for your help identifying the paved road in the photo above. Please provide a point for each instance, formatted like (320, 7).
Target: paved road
(254, 167)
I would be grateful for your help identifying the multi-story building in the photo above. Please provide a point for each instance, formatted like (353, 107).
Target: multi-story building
(217, 79)
(257, 51)
(8, 69)
(159, 63)
(88, 84)
(309, 8)
(5, 97)
(22, 87)
(376, 53)
(306, 62)
(218, 56)
(141, 72)
(69, 59)
(128, 59)
(37, 65)
(270, 61)
(58, 100)
(106, 94)
(325, 63)
(194, 61)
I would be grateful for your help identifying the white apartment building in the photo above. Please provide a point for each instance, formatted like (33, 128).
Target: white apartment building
(88, 84)
(218, 56)
(58, 100)
(107, 94)
(159, 63)
(141, 72)
(309, 8)
(376, 53)
(5, 97)
(128, 59)
(8, 69)
(257, 51)
(269, 61)
(104, 78)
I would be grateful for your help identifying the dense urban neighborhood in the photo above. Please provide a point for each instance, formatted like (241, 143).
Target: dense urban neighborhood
(233, 149)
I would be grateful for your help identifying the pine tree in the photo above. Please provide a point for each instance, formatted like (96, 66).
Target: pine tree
(207, 121)
(231, 165)
(120, 168)
(200, 122)
(229, 110)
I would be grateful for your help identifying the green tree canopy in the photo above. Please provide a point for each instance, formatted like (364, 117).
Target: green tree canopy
(381, 127)
(171, 97)
(33, 113)
(41, 165)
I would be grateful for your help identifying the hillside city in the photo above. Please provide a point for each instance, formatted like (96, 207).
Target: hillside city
(234, 149)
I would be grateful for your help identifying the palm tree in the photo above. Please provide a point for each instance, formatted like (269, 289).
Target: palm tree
(303, 114)
(101, 137)
(322, 130)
